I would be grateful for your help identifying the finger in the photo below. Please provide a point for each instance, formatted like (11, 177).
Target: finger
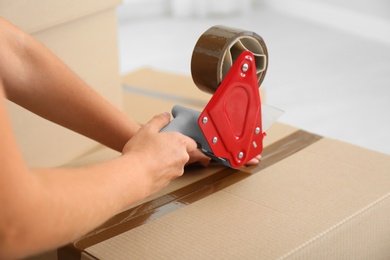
(203, 159)
(198, 157)
(158, 122)
(191, 145)
(253, 161)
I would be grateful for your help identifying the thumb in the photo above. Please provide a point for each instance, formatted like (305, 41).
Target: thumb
(158, 122)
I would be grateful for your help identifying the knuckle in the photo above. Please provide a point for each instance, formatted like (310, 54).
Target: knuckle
(177, 137)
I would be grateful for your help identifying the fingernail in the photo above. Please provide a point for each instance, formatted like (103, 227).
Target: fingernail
(167, 114)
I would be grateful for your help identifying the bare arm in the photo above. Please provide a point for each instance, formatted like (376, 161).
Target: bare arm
(37, 80)
(46, 208)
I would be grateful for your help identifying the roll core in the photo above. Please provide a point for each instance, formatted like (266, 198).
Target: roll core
(217, 49)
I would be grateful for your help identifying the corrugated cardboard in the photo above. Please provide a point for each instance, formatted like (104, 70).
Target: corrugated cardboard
(311, 197)
(311, 205)
(84, 35)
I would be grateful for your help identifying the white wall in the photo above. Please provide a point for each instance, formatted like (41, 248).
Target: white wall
(132, 9)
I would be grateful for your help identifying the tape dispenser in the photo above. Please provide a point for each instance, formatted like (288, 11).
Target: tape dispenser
(230, 64)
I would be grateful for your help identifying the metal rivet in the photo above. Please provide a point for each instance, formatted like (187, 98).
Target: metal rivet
(257, 130)
(240, 155)
(245, 67)
(205, 120)
(215, 140)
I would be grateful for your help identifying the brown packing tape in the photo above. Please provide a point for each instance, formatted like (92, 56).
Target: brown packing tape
(282, 149)
(218, 48)
(165, 204)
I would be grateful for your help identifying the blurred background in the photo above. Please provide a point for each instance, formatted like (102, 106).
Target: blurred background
(329, 61)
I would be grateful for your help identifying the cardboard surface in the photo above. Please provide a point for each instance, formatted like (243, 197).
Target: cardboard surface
(88, 45)
(310, 198)
(159, 82)
(147, 92)
(38, 15)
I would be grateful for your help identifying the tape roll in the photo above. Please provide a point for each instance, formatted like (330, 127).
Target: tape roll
(218, 48)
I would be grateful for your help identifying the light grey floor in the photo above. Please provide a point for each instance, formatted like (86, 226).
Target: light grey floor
(329, 64)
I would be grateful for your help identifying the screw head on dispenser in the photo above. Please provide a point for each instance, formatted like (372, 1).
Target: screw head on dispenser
(245, 67)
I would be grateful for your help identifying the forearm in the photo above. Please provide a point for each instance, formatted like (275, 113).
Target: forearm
(37, 80)
(43, 209)
(57, 206)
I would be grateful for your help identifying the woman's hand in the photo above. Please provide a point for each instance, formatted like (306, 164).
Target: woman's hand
(162, 154)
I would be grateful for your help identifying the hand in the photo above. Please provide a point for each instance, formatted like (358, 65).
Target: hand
(163, 155)
(198, 157)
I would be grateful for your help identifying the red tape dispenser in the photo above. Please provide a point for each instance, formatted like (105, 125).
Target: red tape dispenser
(231, 121)
(230, 64)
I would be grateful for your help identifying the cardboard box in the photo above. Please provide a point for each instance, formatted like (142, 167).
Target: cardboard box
(84, 35)
(311, 197)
